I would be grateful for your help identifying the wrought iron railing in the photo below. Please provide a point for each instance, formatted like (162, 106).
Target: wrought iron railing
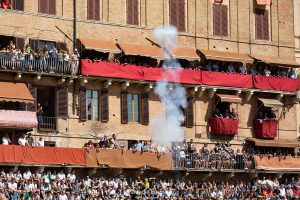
(41, 64)
(216, 161)
(47, 124)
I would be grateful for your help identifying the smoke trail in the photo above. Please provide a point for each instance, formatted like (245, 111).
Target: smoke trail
(166, 126)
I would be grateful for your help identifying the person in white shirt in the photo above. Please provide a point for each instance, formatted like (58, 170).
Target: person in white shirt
(61, 175)
(19, 175)
(63, 196)
(12, 185)
(40, 142)
(22, 141)
(72, 177)
(53, 175)
(6, 140)
(27, 175)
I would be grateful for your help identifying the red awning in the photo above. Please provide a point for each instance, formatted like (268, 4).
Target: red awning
(18, 119)
(226, 56)
(15, 92)
(264, 2)
(100, 45)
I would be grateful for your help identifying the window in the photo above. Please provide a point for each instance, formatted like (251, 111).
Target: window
(18, 4)
(47, 7)
(220, 20)
(261, 24)
(93, 10)
(177, 14)
(133, 107)
(132, 12)
(92, 106)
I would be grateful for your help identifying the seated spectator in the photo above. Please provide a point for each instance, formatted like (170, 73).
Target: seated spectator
(271, 114)
(89, 145)
(242, 69)
(292, 73)
(6, 140)
(230, 68)
(233, 114)
(5, 4)
(215, 67)
(217, 113)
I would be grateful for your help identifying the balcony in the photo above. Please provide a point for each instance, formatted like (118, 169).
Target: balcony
(223, 126)
(47, 124)
(45, 66)
(265, 129)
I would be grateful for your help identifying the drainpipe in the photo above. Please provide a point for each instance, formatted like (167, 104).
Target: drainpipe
(74, 24)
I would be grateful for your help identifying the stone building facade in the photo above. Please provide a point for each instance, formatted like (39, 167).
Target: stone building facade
(198, 33)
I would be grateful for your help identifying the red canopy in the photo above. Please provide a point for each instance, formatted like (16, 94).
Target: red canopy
(276, 83)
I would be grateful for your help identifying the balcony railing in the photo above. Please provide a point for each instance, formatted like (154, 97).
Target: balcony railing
(215, 161)
(42, 65)
(47, 124)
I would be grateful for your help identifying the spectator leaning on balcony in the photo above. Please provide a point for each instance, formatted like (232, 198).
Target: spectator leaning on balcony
(230, 68)
(75, 62)
(217, 113)
(242, 69)
(5, 4)
(53, 53)
(30, 140)
(233, 114)
(292, 73)
(215, 67)
(271, 114)
(23, 141)
(5, 139)
(40, 142)
(39, 113)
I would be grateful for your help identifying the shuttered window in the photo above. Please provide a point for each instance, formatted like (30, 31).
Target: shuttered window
(189, 113)
(18, 5)
(20, 43)
(144, 109)
(220, 20)
(93, 10)
(92, 105)
(47, 7)
(124, 108)
(82, 100)
(34, 44)
(177, 14)
(262, 24)
(133, 107)
(62, 102)
(132, 10)
(104, 105)
(33, 91)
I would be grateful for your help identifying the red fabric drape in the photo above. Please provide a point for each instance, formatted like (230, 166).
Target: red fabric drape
(264, 2)
(265, 128)
(225, 79)
(275, 83)
(42, 155)
(224, 126)
(133, 72)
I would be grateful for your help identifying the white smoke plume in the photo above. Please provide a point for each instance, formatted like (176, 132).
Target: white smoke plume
(165, 128)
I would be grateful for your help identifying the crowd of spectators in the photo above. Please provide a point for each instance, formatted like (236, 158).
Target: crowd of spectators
(70, 186)
(55, 60)
(227, 114)
(25, 140)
